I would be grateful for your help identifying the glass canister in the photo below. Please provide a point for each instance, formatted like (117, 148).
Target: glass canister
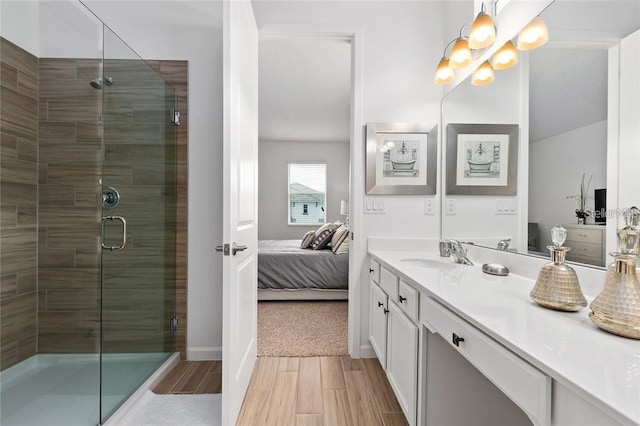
(617, 307)
(632, 221)
(557, 286)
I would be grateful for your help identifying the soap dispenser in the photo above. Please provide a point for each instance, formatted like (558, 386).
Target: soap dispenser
(557, 286)
(617, 307)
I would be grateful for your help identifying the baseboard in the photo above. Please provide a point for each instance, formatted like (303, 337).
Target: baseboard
(204, 354)
(366, 351)
(155, 378)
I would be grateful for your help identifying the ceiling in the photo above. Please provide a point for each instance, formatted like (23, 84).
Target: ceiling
(304, 89)
(568, 77)
(567, 90)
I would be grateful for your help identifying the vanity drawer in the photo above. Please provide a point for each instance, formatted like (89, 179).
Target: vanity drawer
(585, 250)
(389, 283)
(408, 300)
(374, 271)
(525, 385)
(584, 235)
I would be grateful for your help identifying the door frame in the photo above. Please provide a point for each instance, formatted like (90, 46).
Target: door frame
(358, 245)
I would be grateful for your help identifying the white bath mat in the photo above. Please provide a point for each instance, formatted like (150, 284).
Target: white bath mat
(175, 410)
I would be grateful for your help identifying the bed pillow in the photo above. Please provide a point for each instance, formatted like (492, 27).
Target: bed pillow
(307, 239)
(326, 226)
(323, 237)
(340, 240)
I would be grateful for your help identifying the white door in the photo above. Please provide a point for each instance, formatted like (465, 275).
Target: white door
(239, 295)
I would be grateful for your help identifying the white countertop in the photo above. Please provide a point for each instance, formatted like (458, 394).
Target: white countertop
(601, 367)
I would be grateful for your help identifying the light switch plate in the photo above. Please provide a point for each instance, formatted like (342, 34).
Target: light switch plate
(374, 206)
(450, 206)
(506, 207)
(428, 206)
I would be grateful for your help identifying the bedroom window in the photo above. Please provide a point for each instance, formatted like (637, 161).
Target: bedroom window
(307, 193)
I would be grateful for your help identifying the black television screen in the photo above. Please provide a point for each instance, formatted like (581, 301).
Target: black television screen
(600, 210)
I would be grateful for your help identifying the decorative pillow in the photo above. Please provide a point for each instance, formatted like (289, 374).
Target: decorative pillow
(339, 239)
(343, 247)
(307, 239)
(326, 226)
(322, 238)
(339, 235)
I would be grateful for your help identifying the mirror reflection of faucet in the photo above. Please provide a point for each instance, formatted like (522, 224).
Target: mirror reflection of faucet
(454, 248)
(504, 245)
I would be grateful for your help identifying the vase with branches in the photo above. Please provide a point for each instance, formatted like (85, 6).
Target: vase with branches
(581, 212)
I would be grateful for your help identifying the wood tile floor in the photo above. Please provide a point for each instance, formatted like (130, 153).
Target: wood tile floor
(330, 391)
(191, 377)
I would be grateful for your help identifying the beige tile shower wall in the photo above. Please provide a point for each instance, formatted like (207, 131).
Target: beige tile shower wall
(18, 203)
(70, 159)
(139, 296)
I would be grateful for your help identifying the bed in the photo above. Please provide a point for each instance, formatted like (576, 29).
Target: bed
(288, 272)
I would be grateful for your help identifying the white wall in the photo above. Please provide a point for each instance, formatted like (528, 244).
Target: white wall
(19, 24)
(553, 177)
(475, 218)
(69, 30)
(192, 31)
(273, 176)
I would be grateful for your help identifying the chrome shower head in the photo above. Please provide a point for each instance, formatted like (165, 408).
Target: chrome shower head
(96, 83)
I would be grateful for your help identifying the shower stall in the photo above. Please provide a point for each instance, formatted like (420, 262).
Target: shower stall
(88, 216)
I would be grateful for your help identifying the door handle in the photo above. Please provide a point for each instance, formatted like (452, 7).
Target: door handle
(401, 298)
(224, 249)
(235, 248)
(124, 232)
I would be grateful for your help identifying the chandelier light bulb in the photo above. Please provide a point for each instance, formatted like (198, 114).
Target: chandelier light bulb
(483, 75)
(483, 32)
(460, 54)
(534, 35)
(505, 57)
(444, 73)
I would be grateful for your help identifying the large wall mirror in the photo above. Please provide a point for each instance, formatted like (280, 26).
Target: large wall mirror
(575, 102)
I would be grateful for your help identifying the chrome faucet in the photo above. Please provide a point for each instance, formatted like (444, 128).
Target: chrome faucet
(454, 248)
(504, 244)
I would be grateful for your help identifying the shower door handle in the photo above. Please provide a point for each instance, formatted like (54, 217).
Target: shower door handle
(124, 232)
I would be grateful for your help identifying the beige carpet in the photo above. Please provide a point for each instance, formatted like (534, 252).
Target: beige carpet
(302, 328)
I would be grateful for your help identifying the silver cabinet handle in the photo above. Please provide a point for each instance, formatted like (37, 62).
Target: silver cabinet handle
(235, 249)
(124, 232)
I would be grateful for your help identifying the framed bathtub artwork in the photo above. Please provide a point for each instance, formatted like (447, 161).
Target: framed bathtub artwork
(401, 159)
(482, 159)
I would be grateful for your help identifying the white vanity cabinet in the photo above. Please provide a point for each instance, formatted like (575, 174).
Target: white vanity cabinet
(378, 302)
(402, 360)
(526, 386)
(455, 354)
(393, 333)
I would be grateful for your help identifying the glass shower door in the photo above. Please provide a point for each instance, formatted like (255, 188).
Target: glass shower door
(139, 222)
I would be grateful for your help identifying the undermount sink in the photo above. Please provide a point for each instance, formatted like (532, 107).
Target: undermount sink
(429, 263)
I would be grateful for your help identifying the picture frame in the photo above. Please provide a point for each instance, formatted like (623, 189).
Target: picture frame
(482, 159)
(401, 159)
